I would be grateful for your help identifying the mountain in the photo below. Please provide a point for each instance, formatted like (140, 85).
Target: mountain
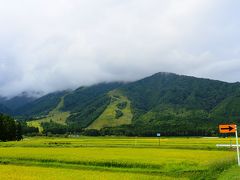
(15, 102)
(164, 102)
(182, 105)
(41, 106)
(178, 91)
(83, 96)
(87, 103)
(5, 110)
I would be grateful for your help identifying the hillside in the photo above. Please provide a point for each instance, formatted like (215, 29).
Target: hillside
(41, 106)
(17, 102)
(54, 116)
(81, 97)
(164, 102)
(9, 105)
(86, 104)
(4, 109)
(180, 105)
(117, 113)
(172, 89)
(78, 108)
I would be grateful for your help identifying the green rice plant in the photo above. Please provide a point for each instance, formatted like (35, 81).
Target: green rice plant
(135, 142)
(165, 160)
(191, 158)
(232, 173)
(37, 173)
(215, 169)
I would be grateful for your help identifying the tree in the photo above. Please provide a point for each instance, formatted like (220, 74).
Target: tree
(9, 129)
(18, 131)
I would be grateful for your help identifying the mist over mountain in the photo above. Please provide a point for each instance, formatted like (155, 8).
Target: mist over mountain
(20, 100)
(51, 46)
(170, 103)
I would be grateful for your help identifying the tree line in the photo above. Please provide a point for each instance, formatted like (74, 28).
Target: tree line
(136, 129)
(10, 130)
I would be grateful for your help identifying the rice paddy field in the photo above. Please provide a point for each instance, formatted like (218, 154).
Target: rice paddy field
(117, 158)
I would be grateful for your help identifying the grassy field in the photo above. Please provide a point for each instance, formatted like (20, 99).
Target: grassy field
(108, 116)
(116, 158)
(34, 173)
(55, 115)
(232, 173)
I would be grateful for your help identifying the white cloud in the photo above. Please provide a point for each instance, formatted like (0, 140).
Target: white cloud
(59, 44)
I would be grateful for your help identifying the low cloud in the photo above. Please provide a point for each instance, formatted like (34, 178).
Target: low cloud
(56, 45)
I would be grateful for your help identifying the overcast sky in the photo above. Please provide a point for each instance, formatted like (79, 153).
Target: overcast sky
(48, 45)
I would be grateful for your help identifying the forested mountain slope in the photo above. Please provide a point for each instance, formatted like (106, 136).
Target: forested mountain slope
(17, 102)
(164, 102)
(41, 106)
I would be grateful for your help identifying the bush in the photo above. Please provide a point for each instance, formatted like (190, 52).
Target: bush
(122, 105)
(91, 132)
(118, 114)
(54, 128)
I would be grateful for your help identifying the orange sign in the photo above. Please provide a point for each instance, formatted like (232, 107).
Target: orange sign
(227, 128)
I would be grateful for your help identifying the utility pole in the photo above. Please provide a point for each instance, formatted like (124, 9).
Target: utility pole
(238, 158)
